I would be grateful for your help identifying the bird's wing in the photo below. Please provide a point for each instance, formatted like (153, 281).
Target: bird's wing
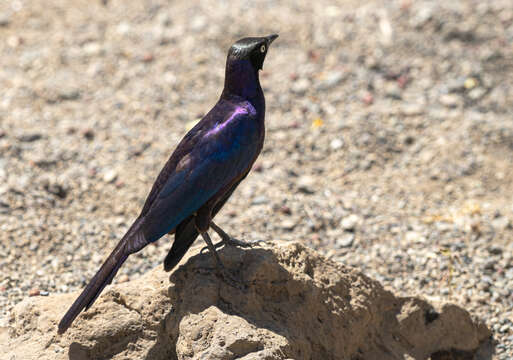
(185, 146)
(186, 233)
(222, 153)
(196, 171)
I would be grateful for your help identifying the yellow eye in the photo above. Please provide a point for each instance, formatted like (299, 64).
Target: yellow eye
(262, 49)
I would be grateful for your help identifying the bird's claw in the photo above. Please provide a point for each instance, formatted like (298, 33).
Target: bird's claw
(234, 242)
(216, 246)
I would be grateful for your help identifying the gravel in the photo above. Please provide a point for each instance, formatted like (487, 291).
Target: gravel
(389, 141)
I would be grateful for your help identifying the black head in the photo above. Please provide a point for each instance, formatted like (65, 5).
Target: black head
(253, 49)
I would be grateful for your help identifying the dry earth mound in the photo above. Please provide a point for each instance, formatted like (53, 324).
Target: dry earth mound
(293, 304)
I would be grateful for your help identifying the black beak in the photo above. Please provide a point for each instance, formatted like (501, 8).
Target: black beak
(271, 38)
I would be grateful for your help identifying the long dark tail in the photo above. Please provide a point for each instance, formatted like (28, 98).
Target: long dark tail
(102, 278)
(185, 235)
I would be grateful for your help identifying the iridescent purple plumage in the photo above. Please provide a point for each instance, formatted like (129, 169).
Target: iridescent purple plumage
(244, 109)
(201, 174)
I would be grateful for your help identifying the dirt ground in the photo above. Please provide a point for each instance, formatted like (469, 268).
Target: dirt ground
(389, 137)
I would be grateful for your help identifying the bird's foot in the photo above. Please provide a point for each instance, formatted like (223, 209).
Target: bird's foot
(229, 241)
(216, 246)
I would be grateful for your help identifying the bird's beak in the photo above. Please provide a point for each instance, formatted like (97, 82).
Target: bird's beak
(271, 38)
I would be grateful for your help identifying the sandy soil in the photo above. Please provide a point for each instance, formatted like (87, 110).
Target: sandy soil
(389, 143)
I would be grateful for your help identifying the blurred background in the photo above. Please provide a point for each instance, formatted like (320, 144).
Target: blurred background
(389, 137)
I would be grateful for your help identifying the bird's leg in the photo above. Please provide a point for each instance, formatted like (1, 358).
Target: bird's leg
(212, 249)
(220, 267)
(228, 240)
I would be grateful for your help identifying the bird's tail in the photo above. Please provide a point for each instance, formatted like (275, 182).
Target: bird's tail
(185, 235)
(102, 278)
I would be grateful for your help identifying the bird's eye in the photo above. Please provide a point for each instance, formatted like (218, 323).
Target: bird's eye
(262, 49)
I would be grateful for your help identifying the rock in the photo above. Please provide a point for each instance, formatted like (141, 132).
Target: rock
(330, 80)
(288, 224)
(300, 86)
(110, 176)
(450, 100)
(495, 250)
(56, 189)
(260, 200)
(412, 109)
(283, 209)
(30, 137)
(368, 99)
(456, 85)
(336, 144)
(476, 93)
(470, 83)
(4, 20)
(423, 15)
(393, 91)
(68, 93)
(305, 184)
(414, 237)
(123, 28)
(92, 49)
(62, 86)
(294, 304)
(346, 240)
(501, 223)
(88, 133)
(349, 222)
(198, 23)
(164, 19)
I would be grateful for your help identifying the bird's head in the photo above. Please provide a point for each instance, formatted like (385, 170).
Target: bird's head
(252, 49)
(245, 58)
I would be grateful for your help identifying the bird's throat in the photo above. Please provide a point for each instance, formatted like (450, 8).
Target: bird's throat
(242, 80)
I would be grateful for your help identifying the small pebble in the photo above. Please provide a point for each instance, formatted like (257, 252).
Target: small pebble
(288, 225)
(346, 240)
(30, 137)
(110, 176)
(300, 86)
(336, 144)
(450, 100)
(350, 222)
(260, 200)
(305, 184)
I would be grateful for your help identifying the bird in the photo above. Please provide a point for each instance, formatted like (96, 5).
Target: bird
(200, 176)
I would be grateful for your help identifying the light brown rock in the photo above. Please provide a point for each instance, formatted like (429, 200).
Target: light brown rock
(294, 304)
